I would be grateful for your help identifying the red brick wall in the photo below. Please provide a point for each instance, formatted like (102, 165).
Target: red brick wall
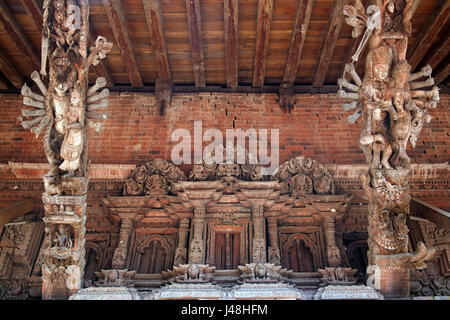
(136, 133)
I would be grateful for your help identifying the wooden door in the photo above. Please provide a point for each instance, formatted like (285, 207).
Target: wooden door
(227, 250)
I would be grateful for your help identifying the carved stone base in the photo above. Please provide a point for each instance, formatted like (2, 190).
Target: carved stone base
(194, 291)
(393, 275)
(266, 291)
(347, 293)
(106, 293)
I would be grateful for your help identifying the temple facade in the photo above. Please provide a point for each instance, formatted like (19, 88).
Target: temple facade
(131, 192)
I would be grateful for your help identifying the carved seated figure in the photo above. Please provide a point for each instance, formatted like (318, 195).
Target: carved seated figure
(63, 243)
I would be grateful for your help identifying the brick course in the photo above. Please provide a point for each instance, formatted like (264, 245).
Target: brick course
(136, 133)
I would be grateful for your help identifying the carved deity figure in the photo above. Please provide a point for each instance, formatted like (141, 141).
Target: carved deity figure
(66, 106)
(394, 112)
(62, 239)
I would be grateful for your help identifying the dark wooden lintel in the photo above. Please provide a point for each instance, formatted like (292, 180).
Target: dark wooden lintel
(15, 210)
(431, 213)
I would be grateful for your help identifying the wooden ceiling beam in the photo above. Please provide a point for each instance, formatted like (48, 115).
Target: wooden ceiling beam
(163, 84)
(119, 27)
(195, 31)
(17, 35)
(301, 23)
(10, 71)
(154, 20)
(329, 42)
(264, 22)
(436, 22)
(440, 52)
(3, 84)
(34, 10)
(442, 74)
(231, 41)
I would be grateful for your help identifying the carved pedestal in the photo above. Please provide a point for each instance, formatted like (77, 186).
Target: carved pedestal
(63, 250)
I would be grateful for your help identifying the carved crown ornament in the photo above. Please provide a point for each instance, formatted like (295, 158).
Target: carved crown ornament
(298, 177)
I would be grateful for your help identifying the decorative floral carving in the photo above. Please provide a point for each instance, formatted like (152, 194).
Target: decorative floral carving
(263, 273)
(244, 167)
(303, 176)
(115, 278)
(338, 276)
(155, 177)
(190, 273)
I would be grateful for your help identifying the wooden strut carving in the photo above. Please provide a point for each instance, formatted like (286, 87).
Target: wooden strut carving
(393, 107)
(63, 110)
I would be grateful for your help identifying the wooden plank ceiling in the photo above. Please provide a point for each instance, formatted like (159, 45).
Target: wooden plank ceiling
(233, 44)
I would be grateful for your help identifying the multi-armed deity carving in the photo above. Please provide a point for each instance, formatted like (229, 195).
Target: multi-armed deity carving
(63, 110)
(393, 107)
(66, 107)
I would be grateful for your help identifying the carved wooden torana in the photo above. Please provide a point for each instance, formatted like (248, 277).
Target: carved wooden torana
(393, 107)
(63, 111)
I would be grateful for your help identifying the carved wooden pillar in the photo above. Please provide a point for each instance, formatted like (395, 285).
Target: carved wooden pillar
(393, 113)
(197, 246)
(259, 242)
(333, 253)
(64, 109)
(121, 252)
(274, 248)
(181, 250)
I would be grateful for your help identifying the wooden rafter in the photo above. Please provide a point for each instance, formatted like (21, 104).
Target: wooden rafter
(119, 27)
(231, 41)
(3, 84)
(10, 71)
(163, 85)
(34, 10)
(329, 42)
(442, 74)
(436, 22)
(440, 52)
(302, 18)
(154, 20)
(262, 41)
(17, 35)
(195, 31)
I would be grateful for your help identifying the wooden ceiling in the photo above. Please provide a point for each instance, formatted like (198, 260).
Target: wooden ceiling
(228, 44)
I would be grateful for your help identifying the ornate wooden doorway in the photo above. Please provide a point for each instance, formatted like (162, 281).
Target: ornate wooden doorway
(227, 250)
(300, 257)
